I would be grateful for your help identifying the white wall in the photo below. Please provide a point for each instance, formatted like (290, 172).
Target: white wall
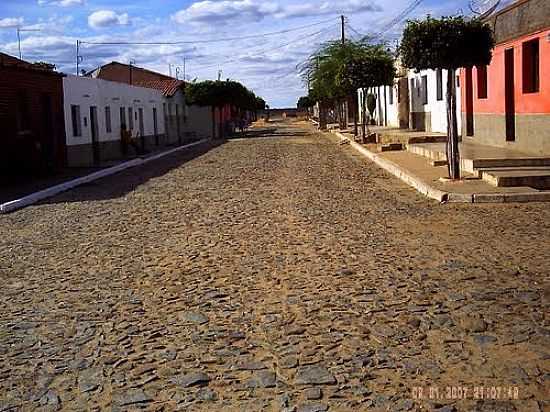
(437, 108)
(86, 92)
(382, 104)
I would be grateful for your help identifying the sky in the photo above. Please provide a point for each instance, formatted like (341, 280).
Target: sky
(281, 34)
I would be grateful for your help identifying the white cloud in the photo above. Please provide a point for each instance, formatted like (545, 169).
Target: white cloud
(312, 9)
(11, 22)
(223, 11)
(233, 11)
(106, 18)
(61, 3)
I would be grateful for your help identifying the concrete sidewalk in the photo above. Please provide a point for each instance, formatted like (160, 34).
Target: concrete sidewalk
(416, 171)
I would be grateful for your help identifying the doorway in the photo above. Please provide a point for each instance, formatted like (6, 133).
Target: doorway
(469, 103)
(155, 126)
(509, 100)
(141, 128)
(94, 131)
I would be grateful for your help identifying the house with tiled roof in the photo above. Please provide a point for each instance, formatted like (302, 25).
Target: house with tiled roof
(183, 123)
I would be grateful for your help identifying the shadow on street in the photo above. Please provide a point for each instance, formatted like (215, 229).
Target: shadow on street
(128, 180)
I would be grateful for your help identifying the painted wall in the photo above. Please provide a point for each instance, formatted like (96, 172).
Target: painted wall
(524, 102)
(176, 118)
(199, 122)
(431, 116)
(41, 93)
(86, 92)
(532, 110)
(434, 112)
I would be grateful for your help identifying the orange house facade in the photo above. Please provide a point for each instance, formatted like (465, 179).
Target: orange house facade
(507, 103)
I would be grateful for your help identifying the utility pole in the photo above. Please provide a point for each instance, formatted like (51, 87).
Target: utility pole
(132, 62)
(343, 18)
(184, 69)
(19, 42)
(78, 57)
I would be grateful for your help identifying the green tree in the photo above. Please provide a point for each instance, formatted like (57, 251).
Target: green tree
(336, 71)
(217, 94)
(375, 66)
(305, 102)
(323, 71)
(447, 43)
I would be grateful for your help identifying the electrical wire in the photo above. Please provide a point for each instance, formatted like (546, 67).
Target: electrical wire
(259, 53)
(175, 43)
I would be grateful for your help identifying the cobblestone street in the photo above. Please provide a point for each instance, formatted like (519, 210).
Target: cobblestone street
(277, 273)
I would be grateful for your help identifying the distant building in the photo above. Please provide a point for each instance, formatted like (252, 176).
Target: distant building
(32, 135)
(507, 104)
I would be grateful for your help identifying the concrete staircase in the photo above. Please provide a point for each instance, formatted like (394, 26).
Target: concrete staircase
(536, 177)
(499, 167)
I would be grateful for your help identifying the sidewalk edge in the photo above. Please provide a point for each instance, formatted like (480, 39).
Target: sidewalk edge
(63, 187)
(442, 196)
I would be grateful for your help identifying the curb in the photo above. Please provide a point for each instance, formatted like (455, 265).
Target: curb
(63, 187)
(440, 195)
(397, 171)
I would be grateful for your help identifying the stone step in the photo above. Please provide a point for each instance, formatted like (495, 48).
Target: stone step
(391, 147)
(515, 162)
(536, 177)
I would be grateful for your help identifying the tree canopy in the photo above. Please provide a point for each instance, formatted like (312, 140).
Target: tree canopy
(305, 102)
(446, 43)
(337, 70)
(219, 93)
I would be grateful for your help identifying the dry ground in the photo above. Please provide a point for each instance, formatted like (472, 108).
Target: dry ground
(278, 273)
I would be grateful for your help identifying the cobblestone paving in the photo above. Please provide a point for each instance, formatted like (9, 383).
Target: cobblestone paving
(281, 273)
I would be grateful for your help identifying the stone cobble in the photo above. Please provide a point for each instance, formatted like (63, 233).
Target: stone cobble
(277, 273)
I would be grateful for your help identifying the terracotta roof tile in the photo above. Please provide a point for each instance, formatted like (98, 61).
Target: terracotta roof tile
(167, 87)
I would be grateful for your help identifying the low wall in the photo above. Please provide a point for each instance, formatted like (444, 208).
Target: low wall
(532, 132)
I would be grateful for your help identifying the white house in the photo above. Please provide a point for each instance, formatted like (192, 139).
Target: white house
(96, 110)
(427, 100)
(416, 101)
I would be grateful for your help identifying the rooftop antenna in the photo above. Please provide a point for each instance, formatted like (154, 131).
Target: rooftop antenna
(483, 8)
(19, 31)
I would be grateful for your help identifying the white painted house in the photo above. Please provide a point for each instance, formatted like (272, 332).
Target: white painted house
(96, 110)
(417, 101)
(428, 104)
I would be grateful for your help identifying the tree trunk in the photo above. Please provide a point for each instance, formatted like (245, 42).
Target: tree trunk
(355, 112)
(322, 116)
(453, 156)
(363, 114)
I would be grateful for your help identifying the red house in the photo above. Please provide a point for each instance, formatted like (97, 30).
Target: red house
(32, 131)
(507, 104)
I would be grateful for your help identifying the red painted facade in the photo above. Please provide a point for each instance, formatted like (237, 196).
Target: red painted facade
(525, 103)
(32, 131)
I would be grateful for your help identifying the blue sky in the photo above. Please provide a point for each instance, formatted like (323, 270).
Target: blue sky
(265, 64)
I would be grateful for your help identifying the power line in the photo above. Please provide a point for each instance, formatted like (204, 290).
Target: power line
(272, 48)
(392, 23)
(252, 36)
(355, 31)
